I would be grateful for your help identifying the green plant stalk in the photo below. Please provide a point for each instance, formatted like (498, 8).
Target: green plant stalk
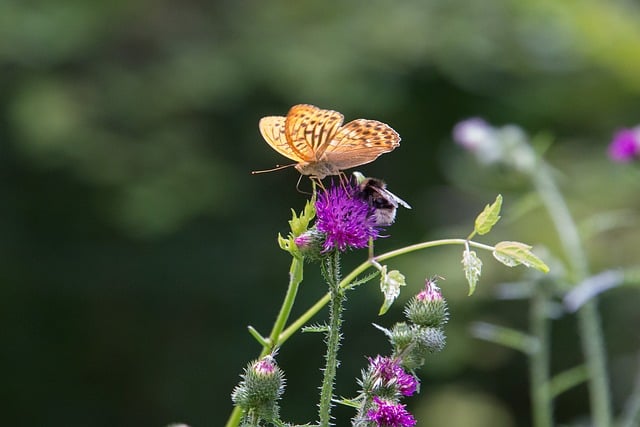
(280, 336)
(631, 414)
(541, 400)
(568, 379)
(344, 283)
(588, 316)
(333, 338)
(295, 278)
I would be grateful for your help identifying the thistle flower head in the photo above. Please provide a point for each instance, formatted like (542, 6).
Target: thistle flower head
(346, 220)
(431, 292)
(389, 414)
(261, 387)
(386, 372)
(625, 145)
(310, 243)
(474, 134)
(507, 144)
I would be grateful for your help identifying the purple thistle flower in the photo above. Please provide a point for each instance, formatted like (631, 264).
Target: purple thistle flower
(387, 414)
(347, 220)
(625, 145)
(265, 366)
(473, 133)
(387, 372)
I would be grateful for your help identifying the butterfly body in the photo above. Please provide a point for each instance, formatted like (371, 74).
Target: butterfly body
(320, 145)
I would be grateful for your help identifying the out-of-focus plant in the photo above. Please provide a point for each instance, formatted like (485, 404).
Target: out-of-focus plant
(572, 282)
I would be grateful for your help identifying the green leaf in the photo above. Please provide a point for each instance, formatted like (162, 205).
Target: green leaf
(390, 284)
(348, 402)
(298, 225)
(489, 217)
(516, 253)
(362, 280)
(472, 266)
(316, 328)
(284, 243)
(507, 337)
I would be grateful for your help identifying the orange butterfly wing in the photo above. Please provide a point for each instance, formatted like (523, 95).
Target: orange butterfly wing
(310, 129)
(317, 141)
(273, 131)
(359, 142)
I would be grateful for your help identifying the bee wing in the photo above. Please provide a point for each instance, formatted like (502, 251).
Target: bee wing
(399, 200)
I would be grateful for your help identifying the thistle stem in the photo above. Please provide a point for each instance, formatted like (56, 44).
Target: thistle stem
(588, 316)
(541, 400)
(332, 274)
(295, 278)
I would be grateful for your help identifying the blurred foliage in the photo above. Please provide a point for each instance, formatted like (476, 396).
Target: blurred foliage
(136, 246)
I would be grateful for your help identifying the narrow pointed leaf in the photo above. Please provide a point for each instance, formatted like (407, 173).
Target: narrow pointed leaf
(516, 253)
(488, 217)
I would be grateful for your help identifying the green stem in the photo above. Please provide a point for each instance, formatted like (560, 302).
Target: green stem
(631, 414)
(333, 338)
(279, 336)
(344, 283)
(541, 400)
(295, 278)
(588, 316)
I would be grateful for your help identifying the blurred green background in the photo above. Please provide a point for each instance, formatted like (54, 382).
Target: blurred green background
(136, 246)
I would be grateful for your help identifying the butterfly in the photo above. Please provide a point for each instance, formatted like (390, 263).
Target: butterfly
(321, 145)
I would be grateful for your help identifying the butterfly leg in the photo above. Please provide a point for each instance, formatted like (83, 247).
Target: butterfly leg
(344, 181)
(317, 182)
(314, 183)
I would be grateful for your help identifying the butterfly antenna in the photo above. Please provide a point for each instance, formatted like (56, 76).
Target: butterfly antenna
(277, 168)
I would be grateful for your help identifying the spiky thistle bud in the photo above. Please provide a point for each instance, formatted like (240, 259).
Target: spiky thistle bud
(310, 244)
(412, 343)
(261, 386)
(428, 308)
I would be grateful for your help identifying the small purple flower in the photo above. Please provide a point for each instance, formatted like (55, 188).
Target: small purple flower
(431, 292)
(388, 414)
(386, 372)
(348, 221)
(265, 366)
(479, 137)
(473, 133)
(625, 145)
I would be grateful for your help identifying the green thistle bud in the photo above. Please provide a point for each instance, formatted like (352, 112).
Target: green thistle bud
(412, 343)
(401, 336)
(261, 386)
(428, 308)
(426, 341)
(310, 244)
(430, 339)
